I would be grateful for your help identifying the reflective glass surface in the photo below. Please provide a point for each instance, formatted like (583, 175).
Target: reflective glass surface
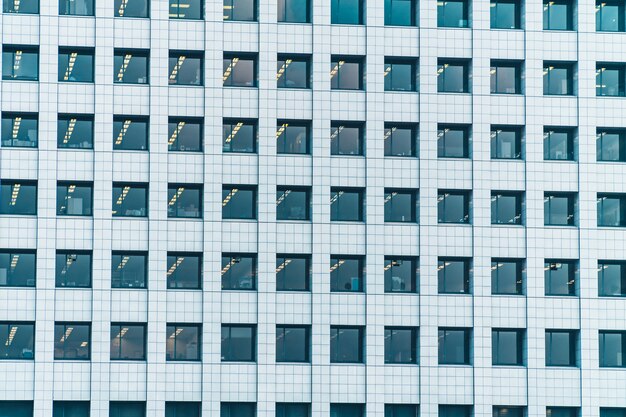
(21, 6)
(128, 342)
(558, 144)
(293, 203)
(239, 271)
(454, 346)
(75, 131)
(186, 68)
(132, 8)
(240, 10)
(20, 63)
(453, 206)
(20, 130)
(346, 73)
(73, 269)
(72, 341)
(239, 136)
(184, 201)
(76, 7)
(76, 65)
(346, 273)
(560, 277)
(186, 9)
(507, 347)
(559, 209)
(507, 276)
(238, 343)
(130, 200)
(401, 205)
(294, 11)
(400, 140)
(129, 269)
(400, 345)
(239, 71)
(131, 66)
(346, 205)
(561, 347)
(506, 208)
(293, 272)
(19, 340)
(238, 202)
(346, 12)
(452, 13)
(130, 133)
(400, 76)
(611, 278)
(18, 197)
(292, 343)
(293, 137)
(506, 142)
(183, 342)
(185, 135)
(453, 275)
(184, 270)
(17, 268)
(346, 344)
(293, 72)
(400, 13)
(74, 199)
(401, 274)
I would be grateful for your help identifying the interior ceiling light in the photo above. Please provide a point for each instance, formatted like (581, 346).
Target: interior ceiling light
(283, 265)
(336, 197)
(67, 334)
(230, 68)
(123, 262)
(282, 69)
(122, 196)
(176, 264)
(122, 8)
(175, 133)
(125, 63)
(69, 131)
(122, 133)
(15, 193)
(335, 69)
(337, 265)
(234, 132)
(14, 260)
(281, 130)
(179, 64)
(229, 197)
(176, 195)
(70, 66)
(16, 6)
(16, 127)
(17, 60)
(282, 197)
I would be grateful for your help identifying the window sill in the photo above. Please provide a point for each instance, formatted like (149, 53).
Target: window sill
(456, 365)
(239, 220)
(507, 29)
(448, 93)
(453, 224)
(508, 94)
(507, 225)
(400, 223)
(402, 91)
(147, 84)
(183, 289)
(294, 23)
(196, 219)
(289, 221)
(561, 226)
(391, 25)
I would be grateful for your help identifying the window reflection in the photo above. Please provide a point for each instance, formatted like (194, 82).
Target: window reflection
(610, 16)
(507, 347)
(401, 274)
(186, 9)
(129, 270)
(454, 275)
(20, 130)
(132, 8)
(560, 277)
(346, 344)
(183, 342)
(20, 63)
(130, 133)
(453, 76)
(612, 349)
(506, 142)
(293, 137)
(130, 200)
(293, 71)
(18, 197)
(131, 66)
(507, 276)
(76, 7)
(239, 135)
(72, 341)
(238, 202)
(558, 78)
(75, 131)
(186, 68)
(21, 7)
(73, 269)
(184, 270)
(505, 14)
(17, 268)
(611, 210)
(400, 74)
(294, 11)
(184, 201)
(610, 145)
(239, 271)
(240, 10)
(185, 134)
(506, 77)
(610, 80)
(239, 70)
(19, 340)
(561, 347)
(182, 409)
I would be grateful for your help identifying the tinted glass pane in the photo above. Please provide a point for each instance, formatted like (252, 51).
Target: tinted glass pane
(558, 145)
(19, 341)
(346, 274)
(19, 63)
(347, 12)
(185, 68)
(292, 344)
(185, 135)
(506, 208)
(560, 348)
(128, 270)
(401, 410)
(184, 201)
(186, 9)
(507, 347)
(76, 7)
(239, 71)
(346, 205)
(130, 133)
(182, 409)
(454, 346)
(127, 409)
(611, 278)
(239, 136)
(23, 7)
(73, 269)
(292, 204)
(453, 275)
(75, 132)
(183, 343)
(561, 412)
(76, 65)
(239, 10)
(20, 130)
(611, 210)
(400, 274)
(400, 12)
(17, 197)
(16, 408)
(237, 410)
(292, 138)
(70, 409)
(400, 206)
(400, 345)
(610, 80)
(506, 277)
(293, 11)
(452, 142)
(128, 341)
(130, 200)
(557, 15)
(452, 14)
(292, 72)
(17, 268)
(346, 344)
(238, 272)
(504, 14)
(238, 343)
(506, 143)
(557, 79)
(399, 76)
(560, 277)
(508, 412)
(238, 203)
(292, 273)
(612, 349)
(184, 270)
(74, 199)
(131, 67)
(559, 210)
(345, 74)
(72, 341)
(610, 16)
(453, 207)
(292, 410)
(132, 8)
(345, 139)
(400, 140)
(452, 77)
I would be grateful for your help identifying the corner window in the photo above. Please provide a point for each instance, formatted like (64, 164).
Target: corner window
(509, 411)
(75, 131)
(293, 410)
(454, 347)
(507, 276)
(18, 268)
(127, 409)
(611, 210)
(131, 66)
(128, 341)
(612, 349)
(558, 143)
(346, 12)
(610, 79)
(185, 134)
(346, 72)
(292, 343)
(20, 130)
(239, 70)
(401, 410)
(346, 345)
(559, 209)
(505, 14)
(506, 142)
(561, 277)
(401, 13)
(240, 10)
(293, 203)
(562, 412)
(238, 343)
(72, 341)
(400, 140)
(401, 274)
(186, 9)
(76, 65)
(74, 198)
(346, 204)
(237, 410)
(558, 15)
(239, 271)
(453, 75)
(453, 206)
(347, 273)
(401, 205)
(610, 145)
(294, 11)
(611, 279)
(293, 137)
(507, 348)
(453, 14)
(184, 270)
(239, 202)
(20, 7)
(129, 269)
(130, 200)
(73, 269)
(130, 133)
(293, 71)
(18, 197)
(239, 135)
(76, 7)
(506, 207)
(558, 78)
(70, 408)
(506, 77)
(346, 138)
(132, 8)
(19, 340)
(184, 201)
(186, 68)
(20, 63)
(293, 272)
(610, 16)
(400, 74)
(454, 275)
(401, 345)
(183, 342)
(453, 141)
(561, 347)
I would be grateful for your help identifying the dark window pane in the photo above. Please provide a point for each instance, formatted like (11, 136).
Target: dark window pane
(561, 347)
(127, 409)
(346, 205)
(20, 62)
(400, 12)
(401, 205)
(182, 409)
(293, 137)
(401, 410)
(293, 72)
(558, 79)
(238, 202)
(452, 14)
(558, 144)
(75, 131)
(346, 273)
(130, 133)
(74, 199)
(612, 412)
(401, 345)
(70, 409)
(186, 9)
(132, 8)
(346, 138)
(239, 271)
(240, 10)
(239, 135)
(18, 197)
(19, 341)
(76, 65)
(452, 76)
(72, 341)
(238, 343)
(507, 276)
(562, 412)
(17, 268)
(184, 270)
(73, 269)
(400, 75)
(610, 80)
(400, 140)
(401, 274)
(128, 342)
(346, 73)
(293, 203)
(293, 410)
(559, 209)
(506, 142)
(506, 207)
(611, 278)
(20, 130)
(454, 346)
(611, 145)
(611, 210)
(22, 7)
(129, 270)
(130, 200)
(16, 408)
(453, 141)
(292, 343)
(454, 275)
(505, 77)
(293, 272)
(76, 7)
(453, 206)
(346, 344)
(237, 410)
(186, 68)
(183, 342)
(560, 277)
(185, 135)
(346, 12)
(239, 71)
(610, 16)
(500, 411)
(505, 14)
(131, 66)
(294, 11)
(184, 201)
(558, 14)
(612, 349)
(507, 347)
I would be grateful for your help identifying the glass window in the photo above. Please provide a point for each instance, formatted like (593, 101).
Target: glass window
(560, 277)
(508, 411)
(346, 344)
(610, 16)
(132, 8)
(76, 7)
(185, 134)
(131, 66)
(70, 408)
(20, 130)
(454, 275)
(238, 202)
(453, 206)
(505, 14)
(72, 341)
(183, 342)
(21, 7)
(76, 65)
(452, 76)
(506, 142)
(240, 10)
(16, 408)
(239, 135)
(184, 270)
(293, 410)
(75, 131)
(130, 200)
(346, 12)
(184, 201)
(74, 198)
(400, 74)
(562, 412)
(612, 412)
(453, 14)
(401, 274)
(239, 271)
(238, 343)
(506, 207)
(559, 209)
(186, 68)
(129, 270)
(401, 345)
(401, 205)
(507, 276)
(20, 63)
(401, 410)
(611, 210)
(400, 13)
(130, 133)
(558, 15)
(182, 408)
(17, 268)
(18, 197)
(612, 348)
(292, 343)
(19, 340)
(506, 77)
(558, 144)
(293, 137)
(561, 347)
(611, 278)
(611, 145)
(127, 409)
(400, 139)
(558, 78)
(453, 141)
(293, 203)
(128, 341)
(239, 70)
(294, 11)
(454, 346)
(73, 269)
(346, 204)
(346, 138)
(186, 9)
(507, 347)
(237, 409)
(347, 273)
(346, 73)
(293, 272)
(610, 80)
(293, 71)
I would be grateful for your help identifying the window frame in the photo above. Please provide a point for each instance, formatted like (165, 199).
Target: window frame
(465, 64)
(65, 325)
(281, 344)
(61, 282)
(467, 346)
(253, 342)
(601, 88)
(603, 363)
(572, 208)
(299, 189)
(621, 15)
(88, 2)
(173, 143)
(335, 13)
(170, 267)
(13, 49)
(414, 348)
(175, 188)
(388, 274)
(123, 253)
(254, 259)
(518, 66)
(10, 337)
(67, 118)
(601, 200)
(467, 275)
(520, 270)
(120, 325)
(360, 354)
(176, 3)
(282, 258)
(13, 116)
(284, 13)
(390, 128)
(245, 187)
(390, 61)
(7, 9)
(282, 125)
(122, 53)
(570, 67)
(520, 342)
(177, 54)
(298, 58)
(11, 253)
(517, 18)
(230, 5)
(519, 207)
(412, 193)
(67, 185)
(240, 56)
(86, 51)
(547, 11)
(443, 151)
(548, 131)
(441, 15)
(198, 327)
(496, 144)
(337, 61)
(573, 276)
(122, 185)
(467, 207)
(232, 124)
(573, 347)
(336, 262)
(127, 120)
(360, 192)
(602, 266)
(389, 12)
